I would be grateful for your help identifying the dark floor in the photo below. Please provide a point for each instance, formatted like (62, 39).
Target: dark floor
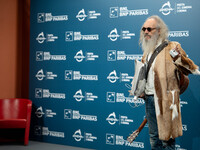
(33, 145)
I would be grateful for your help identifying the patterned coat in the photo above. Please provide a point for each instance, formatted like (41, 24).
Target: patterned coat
(166, 93)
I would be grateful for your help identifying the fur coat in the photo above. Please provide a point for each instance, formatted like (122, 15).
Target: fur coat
(166, 93)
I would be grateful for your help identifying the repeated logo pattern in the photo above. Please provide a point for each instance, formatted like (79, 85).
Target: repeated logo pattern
(82, 64)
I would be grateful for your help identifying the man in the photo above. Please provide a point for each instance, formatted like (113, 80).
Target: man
(162, 88)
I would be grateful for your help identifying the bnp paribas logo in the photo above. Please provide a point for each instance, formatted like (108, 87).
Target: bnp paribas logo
(114, 12)
(110, 139)
(47, 17)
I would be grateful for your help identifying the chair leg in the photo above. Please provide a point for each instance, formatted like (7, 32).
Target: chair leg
(26, 136)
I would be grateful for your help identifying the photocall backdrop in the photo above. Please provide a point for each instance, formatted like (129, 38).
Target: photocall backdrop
(82, 56)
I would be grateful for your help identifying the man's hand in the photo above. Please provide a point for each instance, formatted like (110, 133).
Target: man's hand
(142, 95)
(130, 92)
(179, 53)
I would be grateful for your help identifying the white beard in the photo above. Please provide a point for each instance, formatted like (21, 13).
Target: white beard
(150, 44)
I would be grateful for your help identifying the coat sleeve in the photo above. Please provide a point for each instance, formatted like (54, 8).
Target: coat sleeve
(185, 64)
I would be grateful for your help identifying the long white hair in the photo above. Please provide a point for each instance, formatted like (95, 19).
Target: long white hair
(162, 27)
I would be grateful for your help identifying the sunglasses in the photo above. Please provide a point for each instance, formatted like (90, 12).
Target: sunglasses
(148, 29)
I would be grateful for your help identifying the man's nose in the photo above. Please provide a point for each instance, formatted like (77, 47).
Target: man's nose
(146, 31)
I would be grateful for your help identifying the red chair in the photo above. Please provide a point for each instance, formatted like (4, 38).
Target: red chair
(16, 113)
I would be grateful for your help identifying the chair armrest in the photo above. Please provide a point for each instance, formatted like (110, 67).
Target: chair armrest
(29, 109)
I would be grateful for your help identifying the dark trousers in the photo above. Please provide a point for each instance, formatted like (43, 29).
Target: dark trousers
(156, 143)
